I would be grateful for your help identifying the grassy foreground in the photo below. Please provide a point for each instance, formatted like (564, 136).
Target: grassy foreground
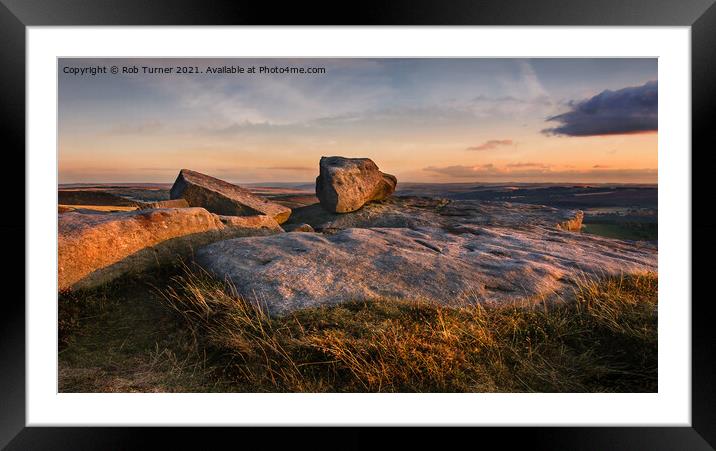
(192, 333)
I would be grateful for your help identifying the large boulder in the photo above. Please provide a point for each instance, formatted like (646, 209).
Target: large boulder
(96, 248)
(223, 198)
(346, 184)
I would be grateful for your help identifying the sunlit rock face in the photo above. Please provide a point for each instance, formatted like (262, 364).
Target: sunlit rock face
(96, 248)
(223, 198)
(346, 184)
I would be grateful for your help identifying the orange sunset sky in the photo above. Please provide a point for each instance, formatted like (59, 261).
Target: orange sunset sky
(424, 120)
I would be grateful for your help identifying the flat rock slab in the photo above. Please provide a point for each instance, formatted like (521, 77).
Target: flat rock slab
(96, 248)
(497, 264)
(413, 212)
(223, 198)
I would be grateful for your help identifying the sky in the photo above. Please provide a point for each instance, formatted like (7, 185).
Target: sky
(423, 120)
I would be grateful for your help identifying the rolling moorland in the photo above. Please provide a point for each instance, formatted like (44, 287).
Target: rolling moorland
(354, 283)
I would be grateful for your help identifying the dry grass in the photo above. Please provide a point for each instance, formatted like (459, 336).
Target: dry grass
(605, 339)
(121, 338)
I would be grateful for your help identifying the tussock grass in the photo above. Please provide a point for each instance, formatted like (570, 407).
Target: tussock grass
(604, 339)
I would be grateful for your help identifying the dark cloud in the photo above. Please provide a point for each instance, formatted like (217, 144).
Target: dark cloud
(628, 110)
(492, 144)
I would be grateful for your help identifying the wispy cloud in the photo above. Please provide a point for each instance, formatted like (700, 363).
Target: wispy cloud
(628, 110)
(538, 171)
(141, 128)
(527, 165)
(462, 171)
(377, 120)
(492, 144)
(531, 81)
(485, 106)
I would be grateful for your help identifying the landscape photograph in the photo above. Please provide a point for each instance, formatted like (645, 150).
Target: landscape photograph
(357, 225)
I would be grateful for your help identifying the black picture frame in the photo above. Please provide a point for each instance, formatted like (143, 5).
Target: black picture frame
(700, 15)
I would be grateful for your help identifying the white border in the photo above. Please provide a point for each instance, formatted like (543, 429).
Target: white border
(671, 406)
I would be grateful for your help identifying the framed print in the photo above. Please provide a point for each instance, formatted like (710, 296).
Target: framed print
(484, 220)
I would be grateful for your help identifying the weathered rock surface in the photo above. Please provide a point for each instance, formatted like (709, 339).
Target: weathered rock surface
(346, 184)
(475, 252)
(96, 248)
(413, 212)
(298, 228)
(92, 197)
(264, 224)
(173, 203)
(573, 224)
(223, 198)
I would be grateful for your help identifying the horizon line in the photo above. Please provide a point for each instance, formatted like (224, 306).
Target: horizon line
(510, 182)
